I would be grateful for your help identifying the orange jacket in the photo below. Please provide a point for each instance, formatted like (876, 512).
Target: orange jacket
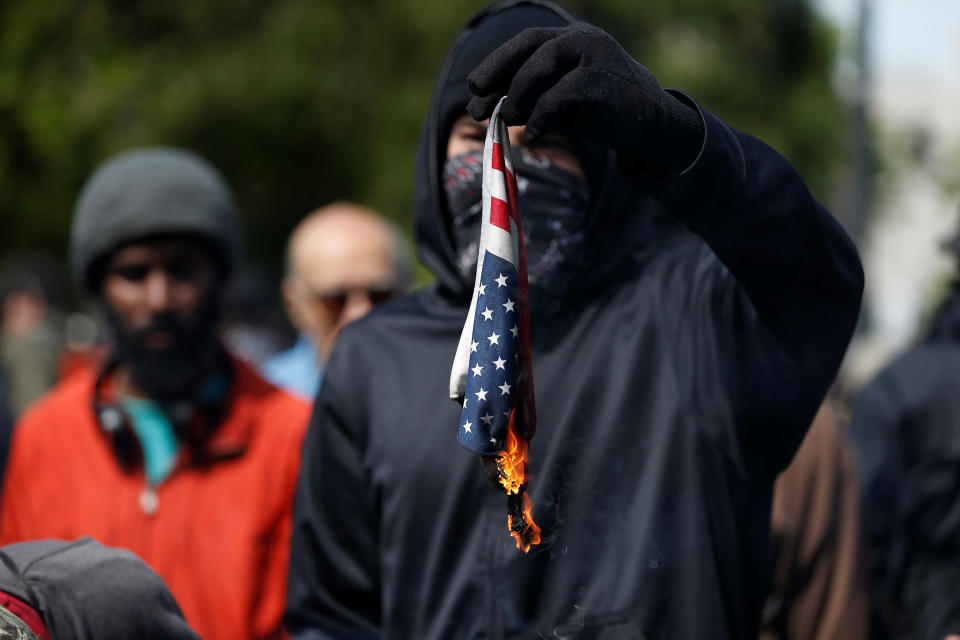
(219, 535)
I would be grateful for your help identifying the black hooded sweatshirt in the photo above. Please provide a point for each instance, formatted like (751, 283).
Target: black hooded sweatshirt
(674, 378)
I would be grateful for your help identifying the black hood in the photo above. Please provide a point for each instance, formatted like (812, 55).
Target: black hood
(613, 227)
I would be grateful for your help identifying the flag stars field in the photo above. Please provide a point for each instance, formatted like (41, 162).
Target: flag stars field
(487, 412)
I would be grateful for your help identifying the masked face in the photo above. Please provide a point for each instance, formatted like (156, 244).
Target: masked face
(554, 205)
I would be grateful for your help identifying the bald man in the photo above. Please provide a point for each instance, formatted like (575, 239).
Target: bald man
(342, 260)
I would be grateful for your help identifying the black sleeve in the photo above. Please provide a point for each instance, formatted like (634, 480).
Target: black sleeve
(334, 590)
(798, 278)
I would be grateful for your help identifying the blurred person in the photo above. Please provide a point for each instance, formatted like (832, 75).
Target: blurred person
(85, 344)
(30, 332)
(906, 429)
(342, 260)
(172, 449)
(818, 585)
(676, 372)
(83, 590)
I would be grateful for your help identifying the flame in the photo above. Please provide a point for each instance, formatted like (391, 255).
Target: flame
(512, 461)
(512, 465)
(529, 533)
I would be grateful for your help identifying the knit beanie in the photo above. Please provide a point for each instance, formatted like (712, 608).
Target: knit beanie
(150, 192)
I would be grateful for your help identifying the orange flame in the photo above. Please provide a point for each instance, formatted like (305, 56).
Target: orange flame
(530, 534)
(512, 461)
(512, 464)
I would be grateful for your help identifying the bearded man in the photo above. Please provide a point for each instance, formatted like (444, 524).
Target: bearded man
(173, 449)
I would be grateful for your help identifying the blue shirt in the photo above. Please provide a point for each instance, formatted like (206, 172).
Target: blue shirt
(296, 370)
(158, 441)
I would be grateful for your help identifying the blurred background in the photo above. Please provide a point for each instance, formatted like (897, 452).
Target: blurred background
(300, 103)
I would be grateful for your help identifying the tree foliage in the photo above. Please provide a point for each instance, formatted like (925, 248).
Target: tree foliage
(302, 102)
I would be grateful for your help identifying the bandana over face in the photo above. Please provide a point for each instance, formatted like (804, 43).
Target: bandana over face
(554, 204)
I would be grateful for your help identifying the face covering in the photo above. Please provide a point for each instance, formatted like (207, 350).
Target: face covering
(554, 205)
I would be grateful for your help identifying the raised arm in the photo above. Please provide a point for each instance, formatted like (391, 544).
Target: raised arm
(798, 284)
(798, 277)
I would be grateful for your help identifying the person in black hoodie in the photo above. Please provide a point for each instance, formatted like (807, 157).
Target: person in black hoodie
(676, 372)
(906, 432)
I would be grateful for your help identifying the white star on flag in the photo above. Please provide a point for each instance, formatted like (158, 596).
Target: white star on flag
(504, 389)
(467, 425)
(499, 362)
(487, 314)
(501, 281)
(493, 338)
(508, 305)
(477, 370)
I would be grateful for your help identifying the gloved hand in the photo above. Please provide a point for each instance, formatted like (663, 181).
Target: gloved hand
(578, 80)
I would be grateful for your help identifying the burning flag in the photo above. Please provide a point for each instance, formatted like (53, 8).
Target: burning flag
(491, 370)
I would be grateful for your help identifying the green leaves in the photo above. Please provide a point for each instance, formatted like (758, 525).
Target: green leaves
(301, 102)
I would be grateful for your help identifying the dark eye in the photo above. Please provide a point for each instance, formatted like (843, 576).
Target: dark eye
(184, 271)
(133, 272)
(471, 130)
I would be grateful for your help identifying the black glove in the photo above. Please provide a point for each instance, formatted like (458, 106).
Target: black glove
(579, 80)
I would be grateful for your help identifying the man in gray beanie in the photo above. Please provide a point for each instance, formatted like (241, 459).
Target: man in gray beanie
(179, 206)
(173, 449)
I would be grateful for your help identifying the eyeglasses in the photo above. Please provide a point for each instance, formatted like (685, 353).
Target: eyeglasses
(334, 302)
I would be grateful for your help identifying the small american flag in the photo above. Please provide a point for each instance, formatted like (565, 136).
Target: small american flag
(491, 370)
